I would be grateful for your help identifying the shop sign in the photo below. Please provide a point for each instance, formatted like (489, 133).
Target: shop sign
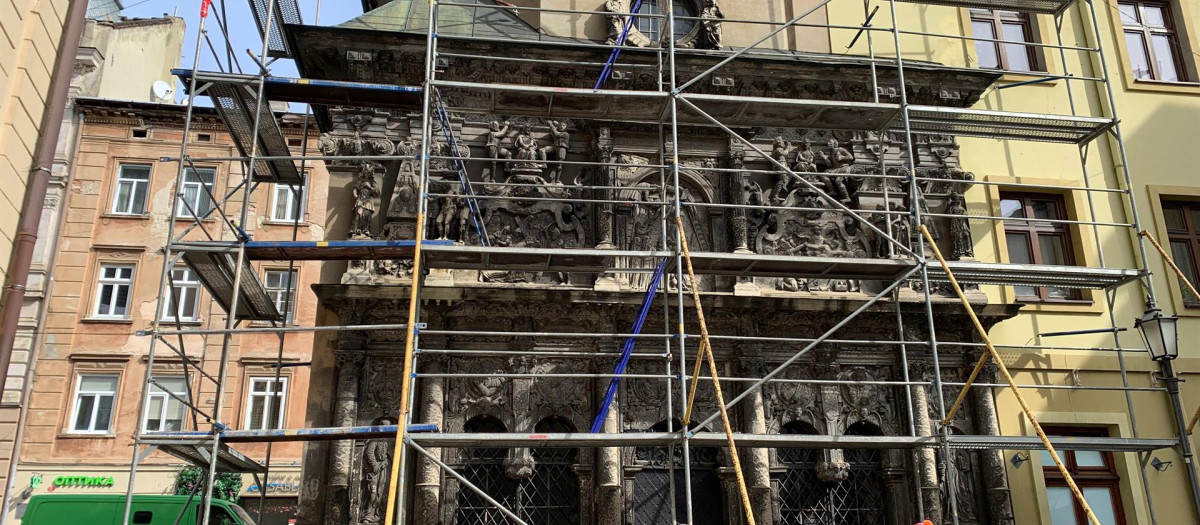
(285, 484)
(83, 481)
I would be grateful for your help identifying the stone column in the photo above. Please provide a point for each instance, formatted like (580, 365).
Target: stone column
(604, 223)
(610, 504)
(931, 495)
(429, 475)
(995, 479)
(758, 460)
(349, 356)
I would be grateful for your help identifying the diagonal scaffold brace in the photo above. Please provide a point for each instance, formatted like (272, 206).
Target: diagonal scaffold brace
(704, 354)
(1012, 384)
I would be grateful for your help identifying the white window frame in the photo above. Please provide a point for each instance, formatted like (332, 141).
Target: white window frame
(293, 203)
(79, 393)
(116, 283)
(265, 397)
(134, 185)
(275, 292)
(157, 392)
(187, 285)
(192, 179)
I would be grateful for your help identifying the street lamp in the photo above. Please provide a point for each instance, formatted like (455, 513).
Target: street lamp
(1162, 341)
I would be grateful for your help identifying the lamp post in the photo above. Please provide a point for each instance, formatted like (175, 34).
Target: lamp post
(1162, 342)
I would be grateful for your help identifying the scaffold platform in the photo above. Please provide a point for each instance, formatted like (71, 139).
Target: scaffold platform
(198, 454)
(237, 104)
(215, 269)
(316, 91)
(1045, 7)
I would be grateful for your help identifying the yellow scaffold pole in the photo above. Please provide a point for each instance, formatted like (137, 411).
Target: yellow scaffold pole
(705, 353)
(1012, 384)
(1186, 282)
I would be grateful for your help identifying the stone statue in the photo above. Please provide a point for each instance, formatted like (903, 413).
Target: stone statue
(616, 21)
(780, 149)
(365, 193)
(527, 151)
(710, 18)
(841, 156)
(376, 466)
(495, 135)
(560, 140)
(960, 228)
(448, 213)
(900, 228)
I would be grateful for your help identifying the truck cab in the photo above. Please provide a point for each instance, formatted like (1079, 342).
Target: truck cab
(147, 509)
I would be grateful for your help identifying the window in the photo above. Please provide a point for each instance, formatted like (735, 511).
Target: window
(193, 193)
(1037, 242)
(1096, 475)
(265, 411)
(140, 133)
(203, 137)
(281, 286)
(163, 412)
(1153, 45)
(94, 398)
(649, 26)
(1183, 232)
(112, 296)
(133, 181)
(1011, 26)
(183, 303)
(287, 203)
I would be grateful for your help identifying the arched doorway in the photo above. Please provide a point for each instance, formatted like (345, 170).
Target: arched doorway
(652, 498)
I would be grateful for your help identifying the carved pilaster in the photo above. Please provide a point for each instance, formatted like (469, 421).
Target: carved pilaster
(604, 223)
(995, 480)
(609, 499)
(757, 460)
(428, 476)
(927, 459)
(350, 357)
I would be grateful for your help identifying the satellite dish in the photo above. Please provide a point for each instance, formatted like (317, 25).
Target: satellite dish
(162, 90)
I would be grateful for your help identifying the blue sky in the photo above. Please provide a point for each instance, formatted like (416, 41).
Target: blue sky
(241, 26)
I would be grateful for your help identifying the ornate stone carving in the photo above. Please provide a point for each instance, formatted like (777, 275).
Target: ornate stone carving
(710, 20)
(376, 468)
(365, 193)
(960, 228)
(617, 22)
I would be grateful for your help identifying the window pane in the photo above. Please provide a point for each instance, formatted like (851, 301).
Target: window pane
(1062, 506)
(1129, 14)
(1196, 218)
(156, 405)
(1139, 60)
(273, 420)
(256, 413)
(105, 304)
(1045, 210)
(121, 203)
(1174, 218)
(1164, 55)
(1155, 17)
(1012, 208)
(1017, 55)
(1089, 458)
(98, 384)
(1101, 501)
(84, 416)
(1018, 248)
(1181, 252)
(987, 51)
(1053, 249)
(122, 301)
(103, 412)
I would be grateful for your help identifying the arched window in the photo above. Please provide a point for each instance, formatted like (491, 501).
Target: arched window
(803, 498)
(484, 467)
(650, 26)
(652, 498)
(551, 494)
(861, 498)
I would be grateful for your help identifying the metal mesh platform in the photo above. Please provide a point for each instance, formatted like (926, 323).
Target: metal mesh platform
(1049, 7)
(286, 434)
(314, 91)
(334, 250)
(1006, 125)
(286, 12)
(214, 267)
(236, 102)
(1078, 277)
(228, 460)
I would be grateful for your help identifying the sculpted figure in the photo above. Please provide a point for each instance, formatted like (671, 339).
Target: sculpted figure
(560, 140)
(377, 462)
(447, 214)
(711, 17)
(496, 134)
(834, 185)
(616, 21)
(960, 228)
(365, 193)
(841, 156)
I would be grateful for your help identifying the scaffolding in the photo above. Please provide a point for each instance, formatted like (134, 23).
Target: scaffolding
(224, 264)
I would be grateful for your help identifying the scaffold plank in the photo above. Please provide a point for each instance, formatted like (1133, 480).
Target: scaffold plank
(228, 460)
(286, 12)
(335, 250)
(1047, 7)
(215, 269)
(237, 104)
(1077, 277)
(315, 91)
(649, 439)
(1005, 124)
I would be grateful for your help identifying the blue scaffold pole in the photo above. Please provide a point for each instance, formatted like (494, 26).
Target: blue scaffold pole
(616, 52)
(627, 350)
(463, 180)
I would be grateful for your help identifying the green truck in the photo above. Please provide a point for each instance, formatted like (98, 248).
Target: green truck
(108, 509)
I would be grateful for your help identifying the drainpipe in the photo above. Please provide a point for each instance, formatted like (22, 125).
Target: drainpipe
(39, 179)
